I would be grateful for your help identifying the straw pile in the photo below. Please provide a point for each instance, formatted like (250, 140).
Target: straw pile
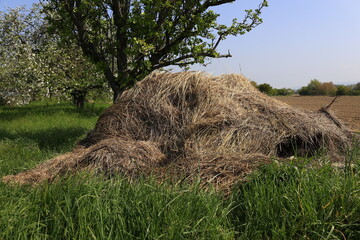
(192, 124)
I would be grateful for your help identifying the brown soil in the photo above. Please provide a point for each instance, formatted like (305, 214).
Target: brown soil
(347, 108)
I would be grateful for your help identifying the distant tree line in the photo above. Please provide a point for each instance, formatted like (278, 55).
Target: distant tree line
(269, 90)
(317, 88)
(314, 88)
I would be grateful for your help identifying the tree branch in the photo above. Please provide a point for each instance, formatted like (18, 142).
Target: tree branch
(120, 15)
(217, 42)
(210, 3)
(177, 61)
(328, 106)
(89, 48)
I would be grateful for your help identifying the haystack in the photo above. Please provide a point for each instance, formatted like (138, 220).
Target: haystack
(192, 124)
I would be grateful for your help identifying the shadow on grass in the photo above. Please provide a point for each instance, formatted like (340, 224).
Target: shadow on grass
(13, 113)
(58, 139)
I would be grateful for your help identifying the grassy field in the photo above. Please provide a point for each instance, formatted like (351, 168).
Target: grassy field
(288, 201)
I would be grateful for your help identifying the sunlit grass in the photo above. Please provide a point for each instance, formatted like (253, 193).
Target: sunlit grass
(32, 133)
(294, 202)
(87, 207)
(289, 201)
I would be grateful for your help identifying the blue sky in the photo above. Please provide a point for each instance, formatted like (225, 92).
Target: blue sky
(298, 41)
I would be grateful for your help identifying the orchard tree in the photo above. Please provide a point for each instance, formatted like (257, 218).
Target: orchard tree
(64, 70)
(17, 50)
(35, 64)
(127, 39)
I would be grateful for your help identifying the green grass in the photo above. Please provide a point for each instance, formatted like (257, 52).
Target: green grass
(86, 207)
(32, 133)
(291, 202)
(288, 201)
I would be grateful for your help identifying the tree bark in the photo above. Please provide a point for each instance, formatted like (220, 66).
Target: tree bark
(79, 98)
(120, 16)
(115, 86)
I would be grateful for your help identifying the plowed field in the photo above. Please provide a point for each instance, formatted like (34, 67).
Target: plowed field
(347, 108)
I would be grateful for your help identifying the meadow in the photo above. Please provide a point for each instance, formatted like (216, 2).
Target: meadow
(279, 201)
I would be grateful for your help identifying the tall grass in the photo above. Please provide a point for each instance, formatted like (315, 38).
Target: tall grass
(295, 202)
(86, 207)
(290, 201)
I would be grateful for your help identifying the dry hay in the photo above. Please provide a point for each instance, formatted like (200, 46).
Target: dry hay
(192, 124)
(112, 156)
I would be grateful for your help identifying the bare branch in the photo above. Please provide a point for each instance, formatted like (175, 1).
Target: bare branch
(324, 110)
(328, 106)
(217, 42)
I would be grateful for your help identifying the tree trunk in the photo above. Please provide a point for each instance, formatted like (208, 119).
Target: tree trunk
(120, 16)
(79, 98)
(115, 86)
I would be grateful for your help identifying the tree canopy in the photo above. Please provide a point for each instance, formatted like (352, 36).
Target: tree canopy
(34, 64)
(127, 39)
